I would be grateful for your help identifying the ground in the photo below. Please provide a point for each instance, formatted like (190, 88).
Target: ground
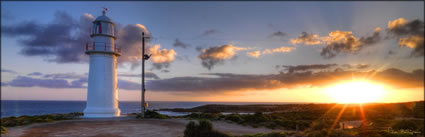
(123, 127)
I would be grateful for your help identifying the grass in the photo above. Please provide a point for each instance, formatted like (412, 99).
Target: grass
(26, 120)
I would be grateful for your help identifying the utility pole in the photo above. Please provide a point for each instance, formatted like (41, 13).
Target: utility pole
(144, 57)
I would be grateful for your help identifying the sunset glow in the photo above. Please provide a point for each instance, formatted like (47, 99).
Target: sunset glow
(356, 92)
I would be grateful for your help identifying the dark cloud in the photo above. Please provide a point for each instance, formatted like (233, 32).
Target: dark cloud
(226, 82)
(198, 48)
(130, 41)
(23, 81)
(209, 32)
(370, 40)
(147, 75)
(278, 34)
(178, 43)
(63, 38)
(356, 66)
(409, 33)
(128, 85)
(165, 71)
(402, 27)
(35, 74)
(8, 71)
(292, 69)
(64, 76)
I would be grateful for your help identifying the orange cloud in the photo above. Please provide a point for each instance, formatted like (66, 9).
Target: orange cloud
(307, 39)
(255, 54)
(161, 57)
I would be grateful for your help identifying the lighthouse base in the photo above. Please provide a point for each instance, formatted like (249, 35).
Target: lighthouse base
(101, 112)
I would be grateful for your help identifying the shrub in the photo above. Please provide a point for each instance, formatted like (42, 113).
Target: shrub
(405, 124)
(25, 120)
(273, 134)
(334, 133)
(400, 133)
(235, 118)
(203, 129)
(152, 114)
(3, 130)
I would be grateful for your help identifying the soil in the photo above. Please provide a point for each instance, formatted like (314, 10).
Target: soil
(123, 127)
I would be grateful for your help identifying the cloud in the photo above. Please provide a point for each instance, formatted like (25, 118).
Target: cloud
(402, 27)
(227, 82)
(298, 68)
(280, 50)
(7, 71)
(338, 42)
(130, 41)
(258, 53)
(178, 43)
(209, 32)
(23, 81)
(147, 75)
(278, 34)
(346, 42)
(64, 76)
(214, 55)
(307, 39)
(410, 34)
(255, 54)
(35, 74)
(62, 40)
(357, 66)
(161, 58)
(415, 42)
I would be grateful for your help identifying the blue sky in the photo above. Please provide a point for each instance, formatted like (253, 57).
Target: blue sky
(247, 25)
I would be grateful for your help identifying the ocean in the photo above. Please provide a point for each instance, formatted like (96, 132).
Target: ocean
(21, 107)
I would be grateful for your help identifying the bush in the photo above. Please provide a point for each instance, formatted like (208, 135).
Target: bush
(3, 130)
(405, 124)
(334, 133)
(203, 129)
(210, 116)
(152, 114)
(401, 133)
(235, 118)
(25, 120)
(273, 134)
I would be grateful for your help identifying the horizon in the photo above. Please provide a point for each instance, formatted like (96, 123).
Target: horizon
(311, 52)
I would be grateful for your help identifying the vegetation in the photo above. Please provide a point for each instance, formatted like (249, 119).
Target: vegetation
(273, 134)
(203, 129)
(3, 130)
(317, 120)
(25, 120)
(152, 114)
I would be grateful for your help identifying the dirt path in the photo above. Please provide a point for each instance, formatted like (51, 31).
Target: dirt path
(122, 127)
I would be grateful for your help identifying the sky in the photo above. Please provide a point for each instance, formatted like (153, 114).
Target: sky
(219, 51)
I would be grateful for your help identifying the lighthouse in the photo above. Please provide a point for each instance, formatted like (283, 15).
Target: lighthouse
(102, 91)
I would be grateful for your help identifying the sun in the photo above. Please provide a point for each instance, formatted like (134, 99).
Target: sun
(355, 92)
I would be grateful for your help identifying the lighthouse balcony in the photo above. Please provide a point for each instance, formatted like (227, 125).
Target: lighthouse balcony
(104, 48)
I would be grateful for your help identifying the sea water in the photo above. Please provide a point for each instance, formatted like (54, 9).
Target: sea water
(25, 107)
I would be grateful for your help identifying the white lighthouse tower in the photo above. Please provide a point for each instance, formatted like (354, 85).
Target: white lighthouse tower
(102, 92)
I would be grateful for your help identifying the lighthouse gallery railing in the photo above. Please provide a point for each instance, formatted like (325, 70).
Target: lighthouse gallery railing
(102, 46)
